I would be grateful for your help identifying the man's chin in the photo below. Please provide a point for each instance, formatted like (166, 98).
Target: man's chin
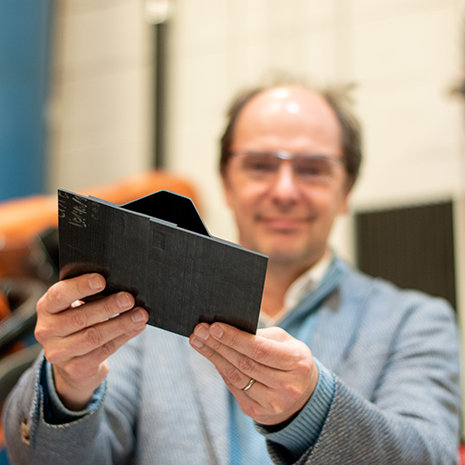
(285, 255)
(282, 248)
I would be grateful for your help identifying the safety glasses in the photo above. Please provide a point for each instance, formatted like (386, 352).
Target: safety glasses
(307, 168)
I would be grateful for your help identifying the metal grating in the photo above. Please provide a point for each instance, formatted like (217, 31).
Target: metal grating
(410, 246)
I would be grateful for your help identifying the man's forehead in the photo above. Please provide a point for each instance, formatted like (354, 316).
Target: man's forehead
(289, 98)
(294, 106)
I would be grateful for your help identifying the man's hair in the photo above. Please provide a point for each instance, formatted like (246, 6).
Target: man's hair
(337, 99)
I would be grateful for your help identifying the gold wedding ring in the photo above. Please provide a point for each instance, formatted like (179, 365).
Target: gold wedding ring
(249, 385)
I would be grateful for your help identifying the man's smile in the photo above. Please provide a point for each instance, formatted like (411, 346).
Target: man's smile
(283, 223)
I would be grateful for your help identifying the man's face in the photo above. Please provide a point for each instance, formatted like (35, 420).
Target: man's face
(286, 216)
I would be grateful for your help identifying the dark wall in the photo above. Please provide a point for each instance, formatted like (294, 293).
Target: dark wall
(410, 246)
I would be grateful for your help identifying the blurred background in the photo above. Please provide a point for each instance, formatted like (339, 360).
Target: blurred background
(95, 91)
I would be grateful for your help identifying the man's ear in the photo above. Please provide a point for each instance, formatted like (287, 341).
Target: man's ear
(349, 183)
(345, 204)
(344, 208)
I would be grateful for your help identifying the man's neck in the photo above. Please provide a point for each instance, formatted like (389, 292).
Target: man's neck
(279, 278)
(273, 293)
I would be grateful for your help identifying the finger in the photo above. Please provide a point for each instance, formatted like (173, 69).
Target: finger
(234, 379)
(241, 367)
(266, 351)
(95, 337)
(232, 376)
(275, 333)
(91, 313)
(81, 367)
(63, 293)
(258, 401)
(265, 404)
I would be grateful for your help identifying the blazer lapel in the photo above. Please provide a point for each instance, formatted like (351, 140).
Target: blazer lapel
(212, 396)
(331, 350)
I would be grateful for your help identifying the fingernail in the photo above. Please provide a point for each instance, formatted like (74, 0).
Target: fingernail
(197, 343)
(201, 332)
(138, 316)
(124, 300)
(216, 331)
(96, 282)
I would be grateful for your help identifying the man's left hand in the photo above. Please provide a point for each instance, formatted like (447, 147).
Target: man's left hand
(283, 368)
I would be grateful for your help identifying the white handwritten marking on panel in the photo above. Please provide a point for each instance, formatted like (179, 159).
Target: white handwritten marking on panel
(74, 209)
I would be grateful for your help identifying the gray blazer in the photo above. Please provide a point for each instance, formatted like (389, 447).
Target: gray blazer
(394, 355)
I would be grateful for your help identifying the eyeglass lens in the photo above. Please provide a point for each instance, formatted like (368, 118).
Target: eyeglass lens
(307, 168)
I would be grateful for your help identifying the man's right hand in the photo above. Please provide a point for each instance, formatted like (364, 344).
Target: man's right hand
(79, 337)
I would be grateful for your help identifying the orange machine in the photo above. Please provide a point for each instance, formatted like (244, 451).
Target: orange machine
(22, 219)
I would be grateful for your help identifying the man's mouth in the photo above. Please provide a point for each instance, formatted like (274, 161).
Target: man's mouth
(283, 223)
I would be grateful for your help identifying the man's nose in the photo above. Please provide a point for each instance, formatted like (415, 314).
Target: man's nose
(285, 187)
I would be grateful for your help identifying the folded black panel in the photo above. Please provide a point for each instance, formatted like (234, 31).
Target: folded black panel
(158, 249)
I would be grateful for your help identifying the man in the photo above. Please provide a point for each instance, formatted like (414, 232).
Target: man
(347, 369)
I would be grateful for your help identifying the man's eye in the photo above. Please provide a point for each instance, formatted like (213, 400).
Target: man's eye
(259, 164)
(313, 168)
(309, 170)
